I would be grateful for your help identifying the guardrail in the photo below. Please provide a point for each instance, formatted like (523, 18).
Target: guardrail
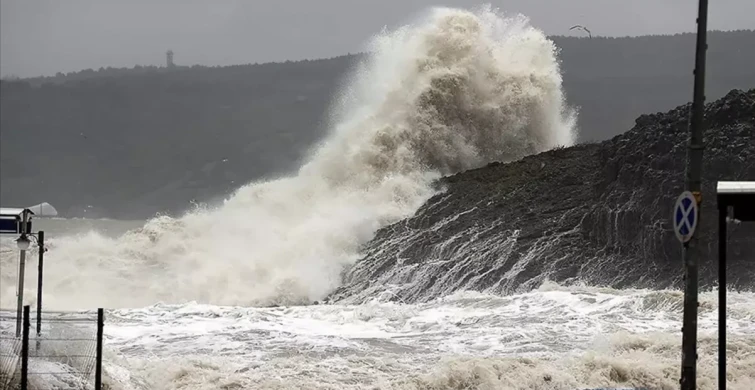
(64, 354)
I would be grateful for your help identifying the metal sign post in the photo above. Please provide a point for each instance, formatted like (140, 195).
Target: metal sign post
(694, 185)
(40, 274)
(685, 219)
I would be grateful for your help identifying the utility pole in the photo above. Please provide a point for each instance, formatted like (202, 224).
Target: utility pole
(40, 274)
(693, 184)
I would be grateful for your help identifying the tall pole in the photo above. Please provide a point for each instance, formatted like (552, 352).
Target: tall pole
(693, 184)
(98, 356)
(21, 270)
(40, 273)
(722, 213)
(25, 352)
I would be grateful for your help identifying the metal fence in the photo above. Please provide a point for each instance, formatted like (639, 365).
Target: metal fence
(65, 354)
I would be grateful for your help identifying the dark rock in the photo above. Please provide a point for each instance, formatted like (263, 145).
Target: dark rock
(593, 213)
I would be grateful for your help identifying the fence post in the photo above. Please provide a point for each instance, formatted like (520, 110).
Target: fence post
(40, 268)
(25, 350)
(98, 361)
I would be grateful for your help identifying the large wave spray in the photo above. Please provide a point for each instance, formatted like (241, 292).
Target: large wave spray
(451, 92)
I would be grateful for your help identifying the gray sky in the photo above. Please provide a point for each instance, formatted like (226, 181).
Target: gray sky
(41, 37)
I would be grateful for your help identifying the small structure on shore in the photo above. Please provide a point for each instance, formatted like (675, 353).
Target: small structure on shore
(18, 221)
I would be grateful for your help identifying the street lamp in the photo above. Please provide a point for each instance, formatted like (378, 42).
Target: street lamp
(23, 242)
(18, 221)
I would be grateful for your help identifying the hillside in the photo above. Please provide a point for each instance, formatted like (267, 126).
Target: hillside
(594, 213)
(128, 143)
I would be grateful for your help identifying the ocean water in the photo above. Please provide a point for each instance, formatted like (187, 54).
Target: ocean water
(552, 338)
(227, 297)
(555, 337)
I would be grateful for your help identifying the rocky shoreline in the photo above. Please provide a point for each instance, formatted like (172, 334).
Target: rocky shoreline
(592, 213)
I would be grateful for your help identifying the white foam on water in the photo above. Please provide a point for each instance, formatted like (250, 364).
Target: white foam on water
(552, 338)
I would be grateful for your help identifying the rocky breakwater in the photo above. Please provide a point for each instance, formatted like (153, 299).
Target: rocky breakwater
(595, 213)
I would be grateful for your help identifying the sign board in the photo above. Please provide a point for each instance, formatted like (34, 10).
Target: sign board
(685, 216)
(11, 217)
(11, 220)
(9, 224)
(12, 225)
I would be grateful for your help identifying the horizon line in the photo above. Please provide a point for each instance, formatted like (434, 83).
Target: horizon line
(12, 77)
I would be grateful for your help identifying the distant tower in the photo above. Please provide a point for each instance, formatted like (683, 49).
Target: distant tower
(169, 60)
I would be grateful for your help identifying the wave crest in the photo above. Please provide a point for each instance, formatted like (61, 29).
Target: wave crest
(454, 91)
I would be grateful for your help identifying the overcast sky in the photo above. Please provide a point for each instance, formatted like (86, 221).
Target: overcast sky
(41, 37)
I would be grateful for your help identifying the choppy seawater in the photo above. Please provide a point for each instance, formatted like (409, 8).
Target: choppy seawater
(553, 338)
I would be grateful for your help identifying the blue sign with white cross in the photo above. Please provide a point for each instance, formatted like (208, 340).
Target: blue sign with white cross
(685, 216)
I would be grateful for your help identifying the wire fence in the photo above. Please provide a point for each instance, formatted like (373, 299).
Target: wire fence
(65, 354)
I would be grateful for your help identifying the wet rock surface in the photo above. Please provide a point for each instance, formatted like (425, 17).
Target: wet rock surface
(593, 213)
